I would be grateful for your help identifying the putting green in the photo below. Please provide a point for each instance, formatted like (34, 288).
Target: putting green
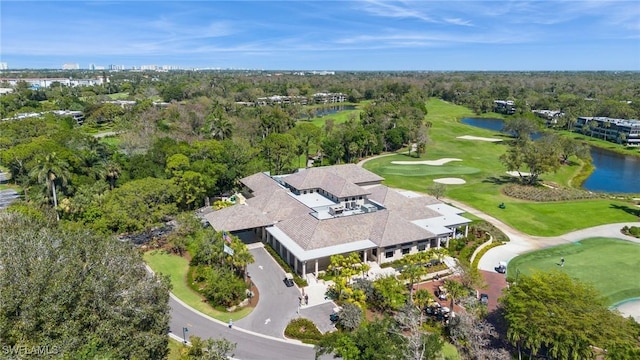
(610, 265)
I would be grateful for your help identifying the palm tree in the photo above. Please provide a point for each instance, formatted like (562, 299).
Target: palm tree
(423, 298)
(112, 172)
(606, 125)
(221, 128)
(241, 256)
(48, 170)
(456, 290)
(412, 273)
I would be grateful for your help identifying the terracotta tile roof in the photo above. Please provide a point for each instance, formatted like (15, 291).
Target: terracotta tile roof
(311, 233)
(278, 205)
(398, 230)
(237, 217)
(381, 227)
(320, 178)
(272, 204)
(354, 174)
(409, 208)
(260, 183)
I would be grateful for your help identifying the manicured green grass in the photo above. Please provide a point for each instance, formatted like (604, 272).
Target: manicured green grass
(119, 96)
(449, 352)
(176, 268)
(338, 118)
(175, 349)
(610, 265)
(485, 175)
(111, 140)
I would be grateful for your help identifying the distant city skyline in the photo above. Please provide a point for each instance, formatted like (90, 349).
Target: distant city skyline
(323, 35)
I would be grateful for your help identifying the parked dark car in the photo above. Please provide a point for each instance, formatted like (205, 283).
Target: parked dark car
(502, 267)
(334, 317)
(484, 298)
(288, 280)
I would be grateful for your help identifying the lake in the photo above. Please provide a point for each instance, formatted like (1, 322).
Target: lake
(330, 110)
(613, 172)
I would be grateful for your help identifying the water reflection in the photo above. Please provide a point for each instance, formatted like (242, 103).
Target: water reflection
(329, 110)
(613, 172)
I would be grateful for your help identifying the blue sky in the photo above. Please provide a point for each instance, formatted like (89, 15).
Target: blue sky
(324, 35)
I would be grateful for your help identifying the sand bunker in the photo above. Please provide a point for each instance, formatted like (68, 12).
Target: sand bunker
(450, 181)
(426, 162)
(630, 308)
(515, 173)
(469, 137)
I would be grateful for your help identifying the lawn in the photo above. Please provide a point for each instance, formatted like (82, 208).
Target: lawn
(176, 268)
(119, 96)
(338, 118)
(175, 349)
(449, 352)
(610, 265)
(485, 175)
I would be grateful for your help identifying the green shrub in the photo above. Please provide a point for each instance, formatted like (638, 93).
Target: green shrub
(304, 330)
(219, 286)
(634, 231)
(480, 253)
(487, 227)
(286, 267)
(544, 193)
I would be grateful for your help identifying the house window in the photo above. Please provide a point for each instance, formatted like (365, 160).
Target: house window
(405, 251)
(388, 254)
(422, 246)
(374, 252)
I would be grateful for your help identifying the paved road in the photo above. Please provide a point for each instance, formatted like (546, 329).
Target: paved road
(105, 134)
(7, 196)
(250, 346)
(265, 340)
(278, 304)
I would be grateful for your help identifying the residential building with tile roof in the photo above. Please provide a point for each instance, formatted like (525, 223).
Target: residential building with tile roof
(315, 213)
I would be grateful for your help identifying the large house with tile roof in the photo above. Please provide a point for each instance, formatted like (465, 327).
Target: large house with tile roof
(315, 213)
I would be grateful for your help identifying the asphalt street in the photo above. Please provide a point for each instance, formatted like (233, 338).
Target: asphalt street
(278, 304)
(250, 346)
(6, 196)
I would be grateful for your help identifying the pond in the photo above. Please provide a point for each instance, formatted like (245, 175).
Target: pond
(330, 110)
(613, 172)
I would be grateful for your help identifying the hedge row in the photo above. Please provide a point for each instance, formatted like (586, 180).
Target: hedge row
(481, 253)
(287, 268)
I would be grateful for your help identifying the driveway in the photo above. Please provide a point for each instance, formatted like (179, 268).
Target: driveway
(278, 304)
(250, 346)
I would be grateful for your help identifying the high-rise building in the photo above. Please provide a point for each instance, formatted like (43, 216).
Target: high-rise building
(70, 66)
(3, 66)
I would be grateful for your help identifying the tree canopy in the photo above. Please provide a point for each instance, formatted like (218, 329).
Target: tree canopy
(550, 313)
(80, 294)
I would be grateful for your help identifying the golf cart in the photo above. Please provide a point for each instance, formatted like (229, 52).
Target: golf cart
(288, 279)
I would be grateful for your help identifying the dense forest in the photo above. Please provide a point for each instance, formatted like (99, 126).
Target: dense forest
(186, 136)
(153, 146)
